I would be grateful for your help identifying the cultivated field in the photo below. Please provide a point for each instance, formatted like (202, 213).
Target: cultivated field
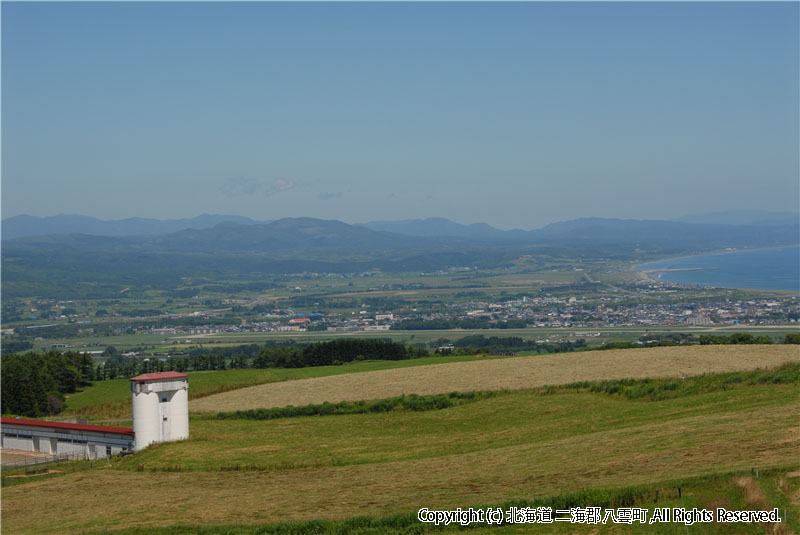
(499, 374)
(520, 445)
(112, 398)
(235, 476)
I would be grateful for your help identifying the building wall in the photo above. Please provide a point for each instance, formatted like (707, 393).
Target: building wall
(160, 411)
(54, 441)
(14, 442)
(179, 415)
(146, 416)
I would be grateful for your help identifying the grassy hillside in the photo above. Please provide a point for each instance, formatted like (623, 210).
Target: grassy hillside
(512, 426)
(735, 491)
(520, 445)
(509, 373)
(112, 398)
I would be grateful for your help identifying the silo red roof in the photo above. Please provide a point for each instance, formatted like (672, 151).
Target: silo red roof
(161, 376)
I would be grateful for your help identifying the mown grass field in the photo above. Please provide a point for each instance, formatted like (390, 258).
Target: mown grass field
(519, 445)
(112, 398)
(508, 373)
(734, 491)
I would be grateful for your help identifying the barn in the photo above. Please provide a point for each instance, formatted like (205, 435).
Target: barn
(160, 405)
(92, 441)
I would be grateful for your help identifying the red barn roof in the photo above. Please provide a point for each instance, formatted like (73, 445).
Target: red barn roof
(161, 376)
(66, 425)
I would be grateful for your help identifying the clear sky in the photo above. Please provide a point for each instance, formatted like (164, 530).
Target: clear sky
(516, 114)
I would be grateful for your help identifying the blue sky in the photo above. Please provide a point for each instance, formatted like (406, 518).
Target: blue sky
(516, 114)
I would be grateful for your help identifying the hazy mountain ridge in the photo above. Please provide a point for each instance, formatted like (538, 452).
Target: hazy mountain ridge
(744, 217)
(607, 231)
(61, 264)
(281, 235)
(25, 225)
(294, 232)
(437, 226)
(297, 234)
(290, 234)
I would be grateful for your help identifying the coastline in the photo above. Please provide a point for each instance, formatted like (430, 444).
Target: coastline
(716, 252)
(646, 274)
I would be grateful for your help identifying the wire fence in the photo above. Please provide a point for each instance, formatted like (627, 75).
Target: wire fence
(40, 464)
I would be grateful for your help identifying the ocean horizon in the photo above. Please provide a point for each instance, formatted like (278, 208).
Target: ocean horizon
(775, 268)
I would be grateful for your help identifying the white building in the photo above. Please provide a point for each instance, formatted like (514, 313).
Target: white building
(92, 441)
(160, 407)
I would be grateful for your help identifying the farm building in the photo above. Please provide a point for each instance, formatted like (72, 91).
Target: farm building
(93, 441)
(160, 407)
(160, 414)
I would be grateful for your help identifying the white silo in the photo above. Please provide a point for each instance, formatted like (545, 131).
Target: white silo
(160, 407)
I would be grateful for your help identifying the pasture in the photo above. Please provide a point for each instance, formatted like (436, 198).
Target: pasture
(112, 398)
(520, 445)
(507, 373)
(536, 445)
(172, 344)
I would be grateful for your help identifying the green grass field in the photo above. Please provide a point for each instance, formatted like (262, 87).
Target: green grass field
(523, 419)
(111, 398)
(739, 491)
(319, 473)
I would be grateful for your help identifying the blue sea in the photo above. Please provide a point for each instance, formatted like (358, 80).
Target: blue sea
(763, 269)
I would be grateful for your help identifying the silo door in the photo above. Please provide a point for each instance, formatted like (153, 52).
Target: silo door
(165, 427)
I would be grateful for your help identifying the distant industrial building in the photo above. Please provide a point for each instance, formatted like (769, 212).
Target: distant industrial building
(92, 441)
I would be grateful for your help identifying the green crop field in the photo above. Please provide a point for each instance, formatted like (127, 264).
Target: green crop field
(539, 446)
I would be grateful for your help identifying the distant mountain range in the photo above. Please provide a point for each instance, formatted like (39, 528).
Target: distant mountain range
(290, 234)
(25, 225)
(439, 226)
(607, 231)
(68, 264)
(744, 217)
(434, 227)
(299, 234)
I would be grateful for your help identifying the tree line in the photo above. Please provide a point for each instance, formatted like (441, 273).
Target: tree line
(335, 352)
(35, 384)
(478, 343)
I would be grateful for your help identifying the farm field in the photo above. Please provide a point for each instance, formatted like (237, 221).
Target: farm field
(508, 373)
(737, 491)
(593, 335)
(111, 398)
(520, 445)
(166, 344)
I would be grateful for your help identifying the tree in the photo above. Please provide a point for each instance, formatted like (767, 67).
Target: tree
(793, 338)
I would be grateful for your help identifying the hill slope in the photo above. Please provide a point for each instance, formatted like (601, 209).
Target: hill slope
(522, 445)
(26, 225)
(510, 373)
